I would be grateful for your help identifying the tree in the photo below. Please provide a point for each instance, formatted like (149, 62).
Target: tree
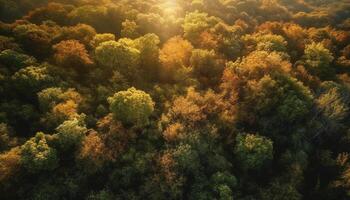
(206, 67)
(223, 183)
(48, 98)
(9, 10)
(318, 59)
(190, 112)
(253, 151)
(267, 42)
(132, 106)
(31, 80)
(37, 155)
(332, 106)
(101, 195)
(268, 90)
(57, 106)
(119, 56)
(8, 43)
(174, 56)
(4, 136)
(10, 163)
(7, 139)
(129, 29)
(71, 132)
(15, 61)
(228, 39)
(343, 179)
(72, 54)
(150, 23)
(34, 38)
(195, 23)
(56, 12)
(100, 38)
(149, 54)
(334, 101)
(81, 32)
(93, 153)
(280, 191)
(95, 16)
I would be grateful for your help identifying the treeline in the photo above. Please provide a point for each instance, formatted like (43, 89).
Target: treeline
(175, 99)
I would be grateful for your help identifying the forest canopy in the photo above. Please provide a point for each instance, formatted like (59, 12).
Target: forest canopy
(175, 99)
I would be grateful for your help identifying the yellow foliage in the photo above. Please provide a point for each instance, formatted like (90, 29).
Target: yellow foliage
(9, 164)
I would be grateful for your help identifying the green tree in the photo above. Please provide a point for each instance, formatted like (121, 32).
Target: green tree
(71, 132)
(253, 151)
(32, 79)
(58, 105)
(35, 39)
(14, 60)
(80, 32)
(129, 29)
(195, 23)
(149, 54)
(318, 59)
(95, 16)
(9, 43)
(49, 97)
(37, 155)
(267, 42)
(223, 183)
(280, 191)
(100, 38)
(132, 106)
(118, 55)
(206, 67)
(53, 11)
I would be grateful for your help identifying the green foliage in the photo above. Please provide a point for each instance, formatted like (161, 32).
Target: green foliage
(332, 106)
(32, 79)
(37, 155)
(195, 23)
(253, 151)
(4, 136)
(132, 106)
(187, 158)
(334, 103)
(269, 90)
(206, 67)
(14, 60)
(89, 14)
(80, 32)
(100, 38)
(34, 38)
(223, 182)
(319, 59)
(71, 132)
(8, 43)
(118, 55)
(148, 45)
(101, 195)
(49, 97)
(267, 42)
(280, 191)
(129, 29)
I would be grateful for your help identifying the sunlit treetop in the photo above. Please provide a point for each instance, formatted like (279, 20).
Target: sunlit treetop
(132, 106)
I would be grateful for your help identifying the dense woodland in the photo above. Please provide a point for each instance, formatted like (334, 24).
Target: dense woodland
(175, 99)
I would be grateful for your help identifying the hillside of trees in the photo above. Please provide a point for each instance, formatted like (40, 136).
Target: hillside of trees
(175, 99)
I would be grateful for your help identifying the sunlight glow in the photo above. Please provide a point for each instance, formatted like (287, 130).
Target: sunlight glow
(170, 7)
